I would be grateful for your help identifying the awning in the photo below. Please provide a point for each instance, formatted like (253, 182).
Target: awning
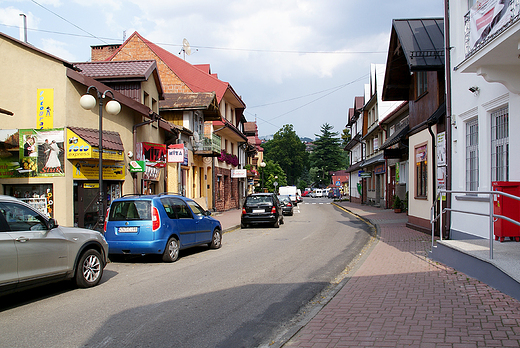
(379, 158)
(354, 167)
(395, 138)
(83, 143)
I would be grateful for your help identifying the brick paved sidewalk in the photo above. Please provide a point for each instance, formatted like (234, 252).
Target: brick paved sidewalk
(400, 298)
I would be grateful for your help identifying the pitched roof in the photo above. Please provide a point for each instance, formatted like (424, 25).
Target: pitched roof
(111, 140)
(207, 102)
(197, 79)
(118, 69)
(422, 41)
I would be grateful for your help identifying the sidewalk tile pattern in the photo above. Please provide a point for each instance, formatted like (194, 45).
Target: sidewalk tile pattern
(400, 298)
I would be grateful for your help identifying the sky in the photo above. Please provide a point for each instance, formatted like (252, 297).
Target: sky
(297, 62)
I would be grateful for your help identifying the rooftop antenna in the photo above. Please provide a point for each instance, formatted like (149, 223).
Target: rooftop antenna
(23, 28)
(185, 48)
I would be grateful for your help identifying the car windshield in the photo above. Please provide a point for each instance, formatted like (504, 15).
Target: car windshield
(130, 210)
(284, 198)
(256, 200)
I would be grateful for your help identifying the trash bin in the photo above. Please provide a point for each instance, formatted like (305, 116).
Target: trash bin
(506, 206)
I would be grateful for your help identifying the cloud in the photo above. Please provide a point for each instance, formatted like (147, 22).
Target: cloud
(58, 49)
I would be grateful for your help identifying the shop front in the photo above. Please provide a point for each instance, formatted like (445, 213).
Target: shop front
(83, 154)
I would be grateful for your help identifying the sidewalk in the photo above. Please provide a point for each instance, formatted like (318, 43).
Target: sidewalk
(229, 219)
(398, 297)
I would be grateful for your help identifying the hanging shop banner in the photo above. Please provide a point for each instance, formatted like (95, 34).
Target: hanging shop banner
(136, 166)
(488, 17)
(176, 153)
(31, 153)
(153, 154)
(441, 149)
(380, 169)
(89, 170)
(239, 173)
(151, 173)
(45, 112)
(78, 148)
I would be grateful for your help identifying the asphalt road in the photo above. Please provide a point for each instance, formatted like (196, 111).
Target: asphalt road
(242, 295)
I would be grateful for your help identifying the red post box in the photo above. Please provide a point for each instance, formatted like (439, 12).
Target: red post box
(506, 206)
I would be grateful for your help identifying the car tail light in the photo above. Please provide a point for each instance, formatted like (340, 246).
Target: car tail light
(273, 210)
(289, 204)
(106, 219)
(156, 220)
(244, 211)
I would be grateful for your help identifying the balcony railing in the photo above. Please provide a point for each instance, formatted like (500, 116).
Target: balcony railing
(470, 47)
(208, 146)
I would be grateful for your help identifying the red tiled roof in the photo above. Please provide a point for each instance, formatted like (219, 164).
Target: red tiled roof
(111, 140)
(194, 77)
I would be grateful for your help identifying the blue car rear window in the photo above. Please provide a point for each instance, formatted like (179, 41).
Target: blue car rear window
(130, 210)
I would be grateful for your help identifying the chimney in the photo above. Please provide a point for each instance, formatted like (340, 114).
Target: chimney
(23, 28)
(102, 52)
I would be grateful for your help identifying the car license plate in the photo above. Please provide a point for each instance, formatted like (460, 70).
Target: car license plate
(258, 210)
(127, 229)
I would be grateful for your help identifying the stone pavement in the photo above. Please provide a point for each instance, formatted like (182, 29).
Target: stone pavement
(397, 297)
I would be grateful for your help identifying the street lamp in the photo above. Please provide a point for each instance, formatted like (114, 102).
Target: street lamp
(87, 102)
(262, 164)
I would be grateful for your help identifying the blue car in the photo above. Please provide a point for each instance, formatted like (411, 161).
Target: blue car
(159, 224)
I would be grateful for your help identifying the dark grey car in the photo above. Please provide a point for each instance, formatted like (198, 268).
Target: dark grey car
(35, 249)
(262, 208)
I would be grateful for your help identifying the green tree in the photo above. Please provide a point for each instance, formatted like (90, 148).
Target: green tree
(288, 151)
(328, 155)
(272, 173)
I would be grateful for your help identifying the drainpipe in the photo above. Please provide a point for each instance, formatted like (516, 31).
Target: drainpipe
(134, 136)
(179, 170)
(434, 166)
(447, 66)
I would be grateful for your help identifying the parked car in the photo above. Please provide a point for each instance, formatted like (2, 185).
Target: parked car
(262, 208)
(160, 224)
(305, 193)
(290, 191)
(287, 205)
(317, 193)
(36, 250)
(334, 193)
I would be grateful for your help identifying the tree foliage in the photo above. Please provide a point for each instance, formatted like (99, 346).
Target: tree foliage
(327, 155)
(288, 151)
(272, 173)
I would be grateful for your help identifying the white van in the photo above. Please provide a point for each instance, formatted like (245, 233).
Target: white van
(290, 191)
(317, 193)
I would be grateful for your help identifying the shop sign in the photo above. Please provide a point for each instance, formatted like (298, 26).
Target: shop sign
(136, 166)
(151, 173)
(153, 154)
(89, 170)
(31, 153)
(238, 173)
(379, 169)
(77, 148)
(45, 112)
(176, 153)
(363, 174)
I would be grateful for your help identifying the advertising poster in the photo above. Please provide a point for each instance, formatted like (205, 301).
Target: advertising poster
(486, 18)
(31, 153)
(90, 170)
(45, 112)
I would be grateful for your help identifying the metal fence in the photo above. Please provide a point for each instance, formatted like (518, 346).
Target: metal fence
(492, 216)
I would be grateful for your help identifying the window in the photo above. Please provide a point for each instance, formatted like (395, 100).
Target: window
(197, 209)
(422, 83)
(421, 171)
(472, 155)
(21, 218)
(500, 145)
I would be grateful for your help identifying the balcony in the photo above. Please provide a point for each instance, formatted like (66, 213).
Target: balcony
(491, 45)
(208, 147)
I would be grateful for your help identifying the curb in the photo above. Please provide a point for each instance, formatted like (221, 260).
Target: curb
(282, 339)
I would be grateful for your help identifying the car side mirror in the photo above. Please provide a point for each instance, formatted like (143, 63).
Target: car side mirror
(208, 212)
(52, 223)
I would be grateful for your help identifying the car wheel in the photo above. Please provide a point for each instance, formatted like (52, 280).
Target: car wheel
(89, 269)
(243, 225)
(216, 241)
(171, 252)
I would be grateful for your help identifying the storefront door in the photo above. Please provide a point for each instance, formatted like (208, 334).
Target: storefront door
(86, 195)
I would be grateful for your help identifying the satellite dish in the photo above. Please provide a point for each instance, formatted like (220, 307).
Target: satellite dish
(186, 47)
(196, 137)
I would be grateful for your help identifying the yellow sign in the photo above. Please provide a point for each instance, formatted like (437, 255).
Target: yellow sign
(90, 186)
(90, 170)
(45, 112)
(77, 148)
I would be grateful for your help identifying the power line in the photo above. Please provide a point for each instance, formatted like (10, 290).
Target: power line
(64, 19)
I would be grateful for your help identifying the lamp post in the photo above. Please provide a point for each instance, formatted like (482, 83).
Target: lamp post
(87, 102)
(262, 164)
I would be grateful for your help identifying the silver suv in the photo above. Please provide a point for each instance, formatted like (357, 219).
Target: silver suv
(35, 250)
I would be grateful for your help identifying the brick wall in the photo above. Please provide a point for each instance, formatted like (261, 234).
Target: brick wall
(226, 192)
